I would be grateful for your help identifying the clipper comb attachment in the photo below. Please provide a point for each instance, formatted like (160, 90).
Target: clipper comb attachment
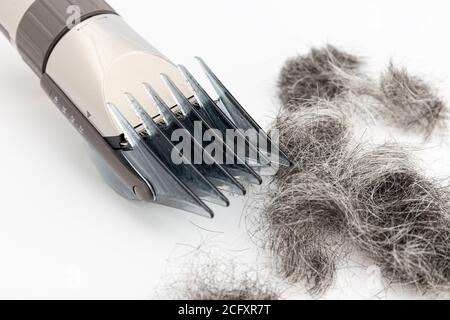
(154, 133)
(190, 184)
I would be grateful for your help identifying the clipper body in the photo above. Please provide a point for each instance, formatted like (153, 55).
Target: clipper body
(126, 99)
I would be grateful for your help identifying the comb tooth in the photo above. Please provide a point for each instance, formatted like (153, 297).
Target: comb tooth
(186, 172)
(219, 120)
(162, 107)
(218, 87)
(169, 189)
(131, 135)
(202, 96)
(239, 115)
(150, 126)
(242, 171)
(181, 100)
(215, 172)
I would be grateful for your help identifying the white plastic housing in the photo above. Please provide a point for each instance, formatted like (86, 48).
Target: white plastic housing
(101, 59)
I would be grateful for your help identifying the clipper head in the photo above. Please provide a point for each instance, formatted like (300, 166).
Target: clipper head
(193, 152)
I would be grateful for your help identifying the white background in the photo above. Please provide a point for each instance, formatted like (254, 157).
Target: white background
(65, 234)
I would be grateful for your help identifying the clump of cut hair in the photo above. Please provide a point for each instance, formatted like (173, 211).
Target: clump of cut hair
(302, 221)
(399, 99)
(323, 73)
(402, 218)
(303, 229)
(342, 195)
(412, 103)
(314, 138)
(215, 279)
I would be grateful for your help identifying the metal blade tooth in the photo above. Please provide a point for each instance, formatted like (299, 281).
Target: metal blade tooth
(150, 126)
(162, 107)
(131, 135)
(239, 115)
(217, 114)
